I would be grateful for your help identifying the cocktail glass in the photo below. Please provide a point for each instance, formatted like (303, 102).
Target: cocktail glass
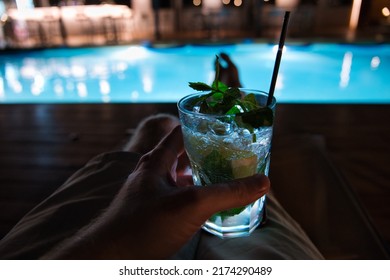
(221, 150)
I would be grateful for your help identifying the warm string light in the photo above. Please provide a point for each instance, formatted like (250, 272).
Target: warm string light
(386, 12)
(236, 3)
(355, 14)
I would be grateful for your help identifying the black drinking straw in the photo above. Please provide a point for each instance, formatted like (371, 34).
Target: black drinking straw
(278, 58)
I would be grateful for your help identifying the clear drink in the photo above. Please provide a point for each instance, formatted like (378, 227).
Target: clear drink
(220, 150)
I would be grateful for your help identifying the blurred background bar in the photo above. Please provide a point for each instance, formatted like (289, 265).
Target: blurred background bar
(46, 23)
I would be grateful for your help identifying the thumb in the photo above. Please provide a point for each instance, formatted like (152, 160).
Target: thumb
(237, 193)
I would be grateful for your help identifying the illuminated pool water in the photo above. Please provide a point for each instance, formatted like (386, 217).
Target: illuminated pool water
(315, 73)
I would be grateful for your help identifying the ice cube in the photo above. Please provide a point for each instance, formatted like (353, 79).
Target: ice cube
(221, 128)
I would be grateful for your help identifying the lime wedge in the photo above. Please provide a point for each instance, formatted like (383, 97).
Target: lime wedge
(244, 167)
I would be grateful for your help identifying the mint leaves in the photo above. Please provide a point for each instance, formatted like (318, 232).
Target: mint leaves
(217, 168)
(224, 100)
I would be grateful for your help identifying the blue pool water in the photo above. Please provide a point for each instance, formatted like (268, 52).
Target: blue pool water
(312, 73)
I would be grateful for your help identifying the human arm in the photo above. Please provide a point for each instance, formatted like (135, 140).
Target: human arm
(152, 216)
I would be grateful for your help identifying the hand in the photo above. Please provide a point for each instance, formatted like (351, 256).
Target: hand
(228, 75)
(152, 216)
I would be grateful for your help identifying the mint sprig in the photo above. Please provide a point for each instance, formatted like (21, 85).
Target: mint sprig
(224, 100)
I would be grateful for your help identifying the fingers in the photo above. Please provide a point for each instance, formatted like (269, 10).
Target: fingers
(226, 60)
(232, 194)
(225, 57)
(218, 65)
(164, 156)
(150, 131)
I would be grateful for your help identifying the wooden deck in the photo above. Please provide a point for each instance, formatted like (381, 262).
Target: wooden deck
(41, 145)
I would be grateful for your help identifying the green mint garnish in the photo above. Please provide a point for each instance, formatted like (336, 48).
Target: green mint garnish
(218, 169)
(224, 100)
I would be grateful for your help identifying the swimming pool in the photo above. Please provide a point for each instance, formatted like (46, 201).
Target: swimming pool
(309, 73)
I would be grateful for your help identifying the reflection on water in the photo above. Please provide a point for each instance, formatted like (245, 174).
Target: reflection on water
(308, 73)
(346, 70)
